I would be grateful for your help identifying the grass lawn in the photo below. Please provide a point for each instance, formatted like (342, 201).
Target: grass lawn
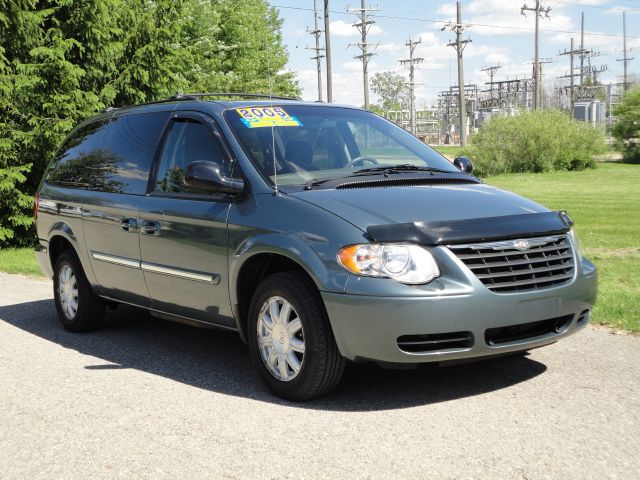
(604, 203)
(19, 260)
(448, 150)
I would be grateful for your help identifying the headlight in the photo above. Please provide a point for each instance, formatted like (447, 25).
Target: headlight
(409, 264)
(576, 243)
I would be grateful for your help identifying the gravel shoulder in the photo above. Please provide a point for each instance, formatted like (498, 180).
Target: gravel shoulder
(144, 398)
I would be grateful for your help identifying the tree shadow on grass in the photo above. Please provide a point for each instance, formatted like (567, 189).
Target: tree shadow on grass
(218, 361)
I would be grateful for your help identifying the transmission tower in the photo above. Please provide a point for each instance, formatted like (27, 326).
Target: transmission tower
(412, 62)
(459, 46)
(537, 76)
(363, 26)
(491, 71)
(317, 32)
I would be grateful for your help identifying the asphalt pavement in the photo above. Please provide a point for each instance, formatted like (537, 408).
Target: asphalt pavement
(146, 398)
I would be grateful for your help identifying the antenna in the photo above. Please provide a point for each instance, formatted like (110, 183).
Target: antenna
(273, 136)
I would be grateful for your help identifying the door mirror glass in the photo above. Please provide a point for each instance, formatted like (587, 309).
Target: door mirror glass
(207, 176)
(463, 164)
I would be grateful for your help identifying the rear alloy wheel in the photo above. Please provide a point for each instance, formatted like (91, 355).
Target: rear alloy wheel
(290, 338)
(79, 309)
(68, 292)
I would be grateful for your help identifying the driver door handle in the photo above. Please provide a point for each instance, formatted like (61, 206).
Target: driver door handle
(129, 224)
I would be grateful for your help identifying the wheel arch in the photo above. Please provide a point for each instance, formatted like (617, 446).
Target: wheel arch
(248, 269)
(61, 238)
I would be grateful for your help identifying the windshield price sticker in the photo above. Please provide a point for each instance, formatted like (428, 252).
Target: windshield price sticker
(256, 117)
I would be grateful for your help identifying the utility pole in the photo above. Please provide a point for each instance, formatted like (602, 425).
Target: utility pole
(625, 60)
(572, 52)
(327, 46)
(459, 46)
(541, 63)
(316, 32)
(363, 26)
(582, 50)
(491, 71)
(537, 77)
(412, 62)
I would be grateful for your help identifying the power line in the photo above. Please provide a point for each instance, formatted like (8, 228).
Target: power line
(363, 26)
(601, 7)
(441, 22)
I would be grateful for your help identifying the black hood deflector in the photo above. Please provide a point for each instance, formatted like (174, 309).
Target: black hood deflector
(505, 227)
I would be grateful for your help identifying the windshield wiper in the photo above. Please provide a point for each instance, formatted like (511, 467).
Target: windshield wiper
(311, 183)
(405, 167)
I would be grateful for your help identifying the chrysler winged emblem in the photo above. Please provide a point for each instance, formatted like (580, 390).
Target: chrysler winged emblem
(521, 245)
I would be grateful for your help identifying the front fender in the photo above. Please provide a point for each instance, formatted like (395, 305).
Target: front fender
(312, 254)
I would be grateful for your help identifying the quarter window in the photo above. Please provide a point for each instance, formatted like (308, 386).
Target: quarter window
(111, 155)
(188, 141)
(74, 165)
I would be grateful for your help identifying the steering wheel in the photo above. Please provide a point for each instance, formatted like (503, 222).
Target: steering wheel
(360, 161)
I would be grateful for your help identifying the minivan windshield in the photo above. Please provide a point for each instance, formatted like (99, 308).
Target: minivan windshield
(319, 142)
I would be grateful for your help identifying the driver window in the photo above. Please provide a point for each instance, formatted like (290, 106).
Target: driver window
(377, 145)
(188, 141)
(319, 146)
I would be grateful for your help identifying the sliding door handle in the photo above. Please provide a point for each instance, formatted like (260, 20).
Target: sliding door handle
(150, 228)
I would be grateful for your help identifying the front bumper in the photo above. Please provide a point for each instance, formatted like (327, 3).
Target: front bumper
(368, 326)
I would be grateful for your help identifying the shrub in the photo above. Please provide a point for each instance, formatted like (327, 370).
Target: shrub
(538, 141)
(627, 127)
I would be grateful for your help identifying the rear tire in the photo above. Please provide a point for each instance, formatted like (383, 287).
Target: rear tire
(290, 339)
(79, 309)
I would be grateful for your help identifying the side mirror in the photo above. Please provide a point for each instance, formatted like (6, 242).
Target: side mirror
(463, 164)
(207, 175)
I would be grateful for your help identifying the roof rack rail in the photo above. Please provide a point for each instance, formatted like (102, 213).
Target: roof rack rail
(183, 97)
(195, 96)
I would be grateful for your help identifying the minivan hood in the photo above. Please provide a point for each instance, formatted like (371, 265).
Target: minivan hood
(366, 207)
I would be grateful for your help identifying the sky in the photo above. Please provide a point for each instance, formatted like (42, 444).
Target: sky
(499, 35)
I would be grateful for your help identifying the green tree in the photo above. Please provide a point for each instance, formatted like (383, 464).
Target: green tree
(247, 53)
(40, 99)
(392, 89)
(627, 127)
(64, 60)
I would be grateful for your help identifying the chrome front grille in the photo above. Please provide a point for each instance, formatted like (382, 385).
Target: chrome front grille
(517, 265)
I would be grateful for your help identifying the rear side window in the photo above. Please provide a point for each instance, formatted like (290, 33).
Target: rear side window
(80, 158)
(188, 141)
(130, 142)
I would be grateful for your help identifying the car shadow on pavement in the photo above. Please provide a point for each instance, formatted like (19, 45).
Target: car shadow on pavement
(218, 361)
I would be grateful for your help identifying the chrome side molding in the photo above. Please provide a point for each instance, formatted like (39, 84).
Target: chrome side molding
(213, 278)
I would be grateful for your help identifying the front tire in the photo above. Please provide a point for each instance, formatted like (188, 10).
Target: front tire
(290, 339)
(79, 309)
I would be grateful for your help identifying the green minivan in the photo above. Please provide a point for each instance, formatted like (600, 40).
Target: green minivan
(319, 233)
